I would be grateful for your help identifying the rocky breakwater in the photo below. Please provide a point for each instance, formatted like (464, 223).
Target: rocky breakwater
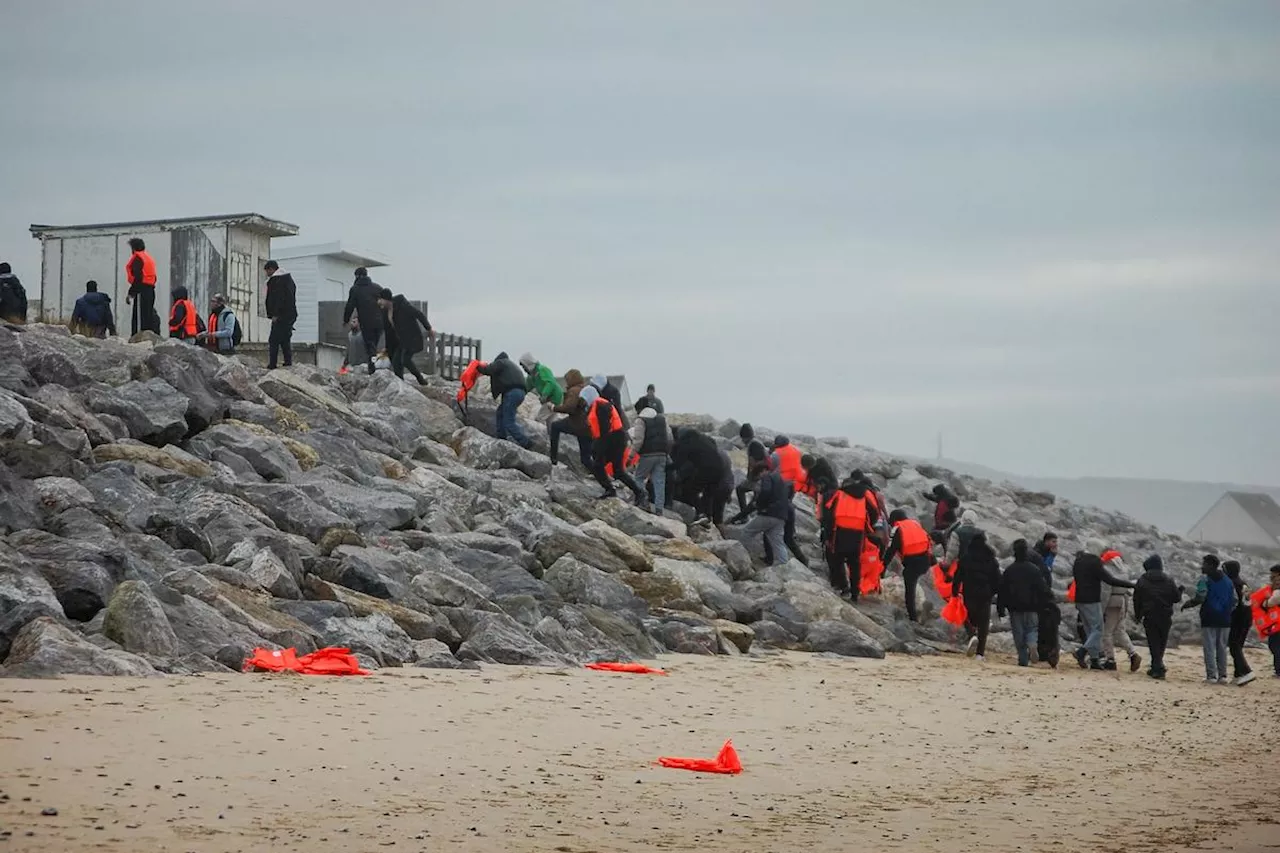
(166, 510)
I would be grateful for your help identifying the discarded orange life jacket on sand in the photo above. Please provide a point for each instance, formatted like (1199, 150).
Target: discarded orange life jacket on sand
(1265, 619)
(616, 666)
(942, 580)
(726, 761)
(327, 661)
(955, 612)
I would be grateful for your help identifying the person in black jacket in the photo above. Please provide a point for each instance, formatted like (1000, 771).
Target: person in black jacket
(506, 383)
(1241, 623)
(755, 450)
(1154, 597)
(698, 471)
(977, 581)
(1090, 573)
(13, 297)
(610, 446)
(650, 401)
(1050, 618)
(947, 505)
(1023, 594)
(611, 393)
(92, 314)
(773, 497)
(282, 310)
(819, 474)
(402, 320)
(362, 301)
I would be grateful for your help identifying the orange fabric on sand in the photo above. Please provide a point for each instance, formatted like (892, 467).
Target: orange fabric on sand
(726, 762)
(328, 661)
(955, 612)
(614, 666)
(942, 580)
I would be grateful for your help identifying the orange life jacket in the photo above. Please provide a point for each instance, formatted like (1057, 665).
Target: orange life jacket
(789, 465)
(955, 612)
(913, 539)
(188, 327)
(212, 342)
(850, 512)
(593, 418)
(1071, 591)
(1265, 619)
(630, 459)
(872, 568)
(942, 580)
(469, 378)
(148, 269)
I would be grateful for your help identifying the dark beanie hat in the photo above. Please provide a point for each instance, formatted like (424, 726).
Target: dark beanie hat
(1153, 563)
(746, 433)
(4, 268)
(1020, 549)
(1210, 561)
(361, 271)
(386, 293)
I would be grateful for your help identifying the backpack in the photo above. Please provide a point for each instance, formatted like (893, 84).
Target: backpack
(200, 326)
(236, 336)
(1219, 598)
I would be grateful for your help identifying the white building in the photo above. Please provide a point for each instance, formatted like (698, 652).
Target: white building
(322, 273)
(1240, 518)
(205, 254)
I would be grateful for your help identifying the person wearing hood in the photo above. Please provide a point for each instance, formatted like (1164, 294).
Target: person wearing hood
(221, 331)
(1241, 622)
(652, 441)
(1215, 596)
(1089, 574)
(92, 315)
(1154, 597)
(958, 537)
(575, 422)
(404, 323)
(1023, 595)
(785, 459)
(13, 297)
(1116, 608)
(848, 517)
(770, 505)
(650, 401)
(541, 381)
(977, 581)
(698, 471)
(611, 393)
(610, 445)
(819, 476)
(910, 542)
(184, 320)
(1266, 603)
(506, 383)
(946, 507)
(362, 302)
(755, 450)
(1047, 552)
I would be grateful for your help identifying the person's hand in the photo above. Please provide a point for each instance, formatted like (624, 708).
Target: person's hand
(128, 299)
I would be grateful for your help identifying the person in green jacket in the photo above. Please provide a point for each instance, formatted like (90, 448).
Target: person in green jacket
(541, 381)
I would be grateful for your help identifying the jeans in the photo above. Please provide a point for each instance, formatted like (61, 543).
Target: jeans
(653, 468)
(401, 360)
(1157, 628)
(1241, 623)
(508, 426)
(1273, 643)
(914, 568)
(774, 531)
(1113, 631)
(1025, 634)
(559, 428)
(1214, 641)
(281, 338)
(1091, 615)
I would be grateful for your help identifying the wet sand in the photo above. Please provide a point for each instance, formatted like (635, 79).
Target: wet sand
(939, 754)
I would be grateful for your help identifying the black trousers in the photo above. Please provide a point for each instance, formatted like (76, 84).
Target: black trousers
(789, 535)
(1050, 621)
(562, 426)
(979, 607)
(914, 568)
(743, 491)
(1241, 623)
(1157, 628)
(839, 569)
(280, 340)
(401, 360)
(610, 450)
(370, 338)
(145, 317)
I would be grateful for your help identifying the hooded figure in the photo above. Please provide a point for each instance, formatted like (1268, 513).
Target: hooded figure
(576, 422)
(959, 536)
(910, 542)
(541, 381)
(1215, 596)
(944, 513)
(698, 471)
(610, 392)
(362, 301)
(403, 324)
(771, 503)
(609, 446)
(92, 313)
(506, 383)
(755, 451)
(847, 518)
(1154, 597)
(651, 440)
(977, 580)
(184, 320)
(1023, 594)
(1241, 622)
(13, 297)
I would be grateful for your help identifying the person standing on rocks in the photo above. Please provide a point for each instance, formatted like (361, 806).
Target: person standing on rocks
(92, 314)
(819, 477)
(611, 393)
(977, 581)
(541, 381)
(945, 510)
(506, 384)
(1115, 614)
(650, 401)
(786, 460)
(1023, 594)
(1047, 550)
(773, 497)
(755, 451)
(13, 297)
(958, 538)
(576, 421)
(610, 447)
(140, 272)
(1215, 596)
(362, 301)
(849, 516)
(910, 542)
(1090, 574)
(282, 310)
(1154, 597)
(404, 324)
(652, 440)
(1241, 622)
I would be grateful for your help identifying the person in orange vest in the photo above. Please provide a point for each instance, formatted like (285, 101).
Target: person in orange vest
(1270, 606)
(140, 272)
(786, 460)
(184, 320)
(847, 518)
(222, 333)
(911, 542)
(610, 445)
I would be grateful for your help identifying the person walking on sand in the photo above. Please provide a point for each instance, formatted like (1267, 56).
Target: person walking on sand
(1241, 622)
(1268, 601)
(977, 581)
(1215, 597)
(1154, 597)
(1023, 594)
(1089, 574)
(1115, 614)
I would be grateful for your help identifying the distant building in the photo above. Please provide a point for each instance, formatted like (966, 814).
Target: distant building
(323, 274)
(1240, 518)
(205, 254)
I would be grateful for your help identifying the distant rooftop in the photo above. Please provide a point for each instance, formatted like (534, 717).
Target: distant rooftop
(331, 250)
(1262, 509)
(249, 221)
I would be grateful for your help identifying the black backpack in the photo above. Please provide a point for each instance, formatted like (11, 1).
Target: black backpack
(235, 333)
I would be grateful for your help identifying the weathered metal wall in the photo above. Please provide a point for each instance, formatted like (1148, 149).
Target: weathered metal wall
(197, 262)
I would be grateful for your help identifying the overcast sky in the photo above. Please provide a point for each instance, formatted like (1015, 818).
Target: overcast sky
(1049, 230)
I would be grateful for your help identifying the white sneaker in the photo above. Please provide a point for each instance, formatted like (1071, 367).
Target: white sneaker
(981, 659)
(1211, 680)
(1245, 679)
(972, 648)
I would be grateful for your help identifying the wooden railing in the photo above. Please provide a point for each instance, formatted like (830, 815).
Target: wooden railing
(451, 355)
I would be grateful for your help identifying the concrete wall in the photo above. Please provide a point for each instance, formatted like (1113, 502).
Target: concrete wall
(321, 355)
(1228, 524)
(305, 272)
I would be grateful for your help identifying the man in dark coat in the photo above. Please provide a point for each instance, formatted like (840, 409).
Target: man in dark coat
(947, 505)
(611, 393)
(13, 297)
(977, 581)
(362, 301)
(1089, 574)
(404, 324)
(282, 310)
(1023, 594)
(92, 315)
(1154, 597)
(698, 470)
(506, 383)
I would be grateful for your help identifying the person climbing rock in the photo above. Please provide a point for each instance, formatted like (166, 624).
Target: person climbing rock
(958, 537)
(1215, 596)
(755, 450)
(773, 496)
(92, 315)
(1154, 597)
(910, 542)
(847, 516)
(541, 381)
(652, 441)
(819, 476)
(1023, 594)
(362, 302)
(786, 459)
(1116, 609)
(611, 393)
(575, 422)
(404, 324)
(609, 445)
(977, 581)
(1241, 622)
(184, 319)
(698, 471)
(506, 384)
(947, 505)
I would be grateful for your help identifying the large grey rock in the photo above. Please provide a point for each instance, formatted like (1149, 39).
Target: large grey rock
(14, 620)
(477, 450)
(734, 556)
(136, 620)
(422, 622)
(200, 627)
(550, 545)
(82, 574)
(579, 583)
(189, 371)
(497, 638)
(686, 635)
(626, 548)
(153, 410)
(292, 510)
(385, 509)
(18, 502)
(46, 649)
(269, 572)
(432, 419)
(434, 654)
(268, 455)
(15, 423)
(57, 494)
(99, 430)
(452, 587)
(313, 613)
(452, 507)
(841, 638)
(375, 635)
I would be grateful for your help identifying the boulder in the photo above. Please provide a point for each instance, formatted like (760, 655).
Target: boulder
(190, 371)
(681, 549)
(579, 583)
(15, 423)
(452, 587)
(57, 494)
(153, 411)
(168, 457)
(738, 635)
(497, 638)
(269, 572)
(383, 509)
(550, 545)
(136, 620)
(46, 649)
(686, 635)
(627, 549)
(477, 450)
(292, 391)
(734, 556)
(772, 634)
(14, 620)
(434, 654)
(18, 503)
(292, 510)
(841, 638)
(270, 458)
(633, 521)
(428, 623)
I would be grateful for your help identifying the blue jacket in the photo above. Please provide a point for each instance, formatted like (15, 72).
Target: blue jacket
(94, 309)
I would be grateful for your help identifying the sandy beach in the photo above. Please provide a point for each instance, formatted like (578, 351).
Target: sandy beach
(933, 754)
